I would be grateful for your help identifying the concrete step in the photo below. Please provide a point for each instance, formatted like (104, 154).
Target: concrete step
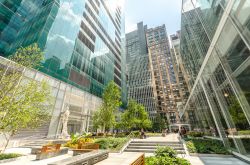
(149, 150)
(152, 147)
(155, 144)
(158, 142)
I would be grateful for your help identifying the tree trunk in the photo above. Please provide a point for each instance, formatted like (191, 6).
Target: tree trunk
(7, 141)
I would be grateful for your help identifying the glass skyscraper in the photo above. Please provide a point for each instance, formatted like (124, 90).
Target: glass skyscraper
(82, 39)
(215, 50)
(84, 46)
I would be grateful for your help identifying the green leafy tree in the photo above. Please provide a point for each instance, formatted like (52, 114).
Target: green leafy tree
(24, 103)
(160, 123)
(135, 117)
(104, 118)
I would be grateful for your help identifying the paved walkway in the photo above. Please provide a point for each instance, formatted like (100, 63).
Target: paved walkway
(195, 160)
(127, 157)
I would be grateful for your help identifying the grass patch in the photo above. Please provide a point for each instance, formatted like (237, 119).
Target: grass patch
(206, 146)
(9, 156)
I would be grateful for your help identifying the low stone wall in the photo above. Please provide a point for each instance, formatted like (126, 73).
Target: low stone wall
(45, 155)
(89, 158)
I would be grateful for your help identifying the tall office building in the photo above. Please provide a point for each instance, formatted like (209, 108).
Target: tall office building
(140, 80)
(215, 50)
(181, 75)
(83, 42)
(163, 73)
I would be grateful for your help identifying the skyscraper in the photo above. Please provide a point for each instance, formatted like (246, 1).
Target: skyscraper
(163, 73)
(215, 50)
(140, 79)
(83, 42)
(181, 75)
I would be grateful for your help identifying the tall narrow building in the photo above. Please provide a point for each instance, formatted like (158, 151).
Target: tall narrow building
(140, 79)
(163, 73)
(181, 75)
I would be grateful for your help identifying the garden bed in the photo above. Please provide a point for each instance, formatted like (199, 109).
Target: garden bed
(166, 156)
(112, 144)
(9, 157)
(206, 146)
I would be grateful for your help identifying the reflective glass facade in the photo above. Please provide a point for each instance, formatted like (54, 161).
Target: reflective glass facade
(83, 40)
(215, 48)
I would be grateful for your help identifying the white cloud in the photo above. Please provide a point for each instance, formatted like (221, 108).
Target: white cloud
(67, 13)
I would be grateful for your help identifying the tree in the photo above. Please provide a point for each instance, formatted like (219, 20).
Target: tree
(135, 117)
(24, 103)
(160, 123)
(104, 118)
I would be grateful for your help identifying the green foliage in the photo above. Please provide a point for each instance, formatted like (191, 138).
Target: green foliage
(244, 132)
(237, 114)
(110, 143)
(159, 124)
(30, 56)
(135, 117)
(166, 156)
(24, 103)
(166, 161)
(206, 146)
(105, 117)
(9, 156)
(165, 151)
(195, 134)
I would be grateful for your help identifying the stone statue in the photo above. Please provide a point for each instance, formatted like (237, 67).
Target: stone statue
(65, 117)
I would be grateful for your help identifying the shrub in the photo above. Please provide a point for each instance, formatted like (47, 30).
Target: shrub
(195, 134)
(111, 143)
(244, 132)
(136, 133)
(166, 156)
(9, 156)
(206, 146)
(165, 151)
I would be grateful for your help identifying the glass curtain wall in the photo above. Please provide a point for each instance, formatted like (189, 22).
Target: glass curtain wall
(216, 49)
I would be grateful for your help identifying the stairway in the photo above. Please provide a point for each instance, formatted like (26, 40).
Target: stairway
(151, 146)
(32, 134)
(34, 144)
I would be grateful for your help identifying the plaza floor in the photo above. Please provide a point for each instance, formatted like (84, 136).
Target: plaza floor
(126, 158)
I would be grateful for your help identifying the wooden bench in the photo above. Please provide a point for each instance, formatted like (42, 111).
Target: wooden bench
(139, 161)
(48, 151)
(89, 158)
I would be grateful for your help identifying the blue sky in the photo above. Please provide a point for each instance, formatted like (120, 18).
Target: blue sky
(153, 13)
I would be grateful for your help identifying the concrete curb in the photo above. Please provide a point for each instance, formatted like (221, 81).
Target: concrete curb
(211, 155)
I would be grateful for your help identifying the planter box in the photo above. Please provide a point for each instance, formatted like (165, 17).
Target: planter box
(45, 155)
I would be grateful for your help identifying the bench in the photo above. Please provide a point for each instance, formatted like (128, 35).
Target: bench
(49, 151)
(139, 161)
(89, 158)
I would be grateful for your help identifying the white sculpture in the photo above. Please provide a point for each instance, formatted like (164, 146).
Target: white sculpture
(65, 117)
